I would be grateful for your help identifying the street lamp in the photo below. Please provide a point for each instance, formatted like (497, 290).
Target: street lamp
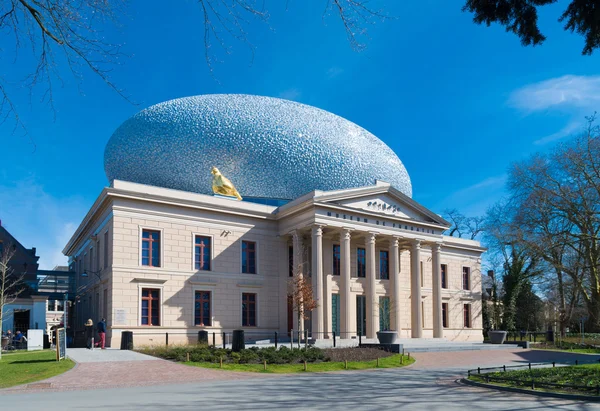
(86, 273)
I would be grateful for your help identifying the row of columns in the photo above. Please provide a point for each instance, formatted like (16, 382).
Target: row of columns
(346, 322)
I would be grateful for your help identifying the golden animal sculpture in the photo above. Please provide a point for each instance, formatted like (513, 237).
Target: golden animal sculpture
(222, 186)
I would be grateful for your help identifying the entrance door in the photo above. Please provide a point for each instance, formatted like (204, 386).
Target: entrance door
(335, 314)
(361, 314)
(21, 321)
(290, 313)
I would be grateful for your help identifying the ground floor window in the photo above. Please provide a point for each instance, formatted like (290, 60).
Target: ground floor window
(361, 315)
(150, 306)
(202, 308)
(335, 313)
(249, 310)
(467, 315)
(445, 315)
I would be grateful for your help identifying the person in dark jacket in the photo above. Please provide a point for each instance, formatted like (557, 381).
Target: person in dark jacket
(89, 333)
(101, 328)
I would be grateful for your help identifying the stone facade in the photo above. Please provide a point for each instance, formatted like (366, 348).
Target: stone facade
(108, 247)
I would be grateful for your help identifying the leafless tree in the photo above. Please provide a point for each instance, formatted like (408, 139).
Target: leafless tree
(53, 34)
(11, 283)
(300, 291)
(463, 226)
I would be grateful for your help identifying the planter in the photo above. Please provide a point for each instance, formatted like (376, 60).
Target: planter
(387, 337)
(497, 337)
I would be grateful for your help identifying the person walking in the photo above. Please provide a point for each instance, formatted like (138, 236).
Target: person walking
(89, 333)
(101, 327)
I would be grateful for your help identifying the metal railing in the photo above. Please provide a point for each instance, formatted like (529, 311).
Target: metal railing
(531, 382)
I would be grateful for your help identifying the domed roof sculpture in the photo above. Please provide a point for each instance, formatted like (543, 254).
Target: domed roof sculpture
(268, 147)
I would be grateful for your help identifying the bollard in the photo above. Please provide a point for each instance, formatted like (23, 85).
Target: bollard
(275, 341)
(553, 364)
(377, 362)
(334, 340)
(401, 359)
(304, 365)
(346, 364)
(265, 365)
(221, 362)
(532, 384)
(187, 357)
(408, 356)
(468, 373)
(504, 366)
(167, 339)
(478, 370)
(529, 366)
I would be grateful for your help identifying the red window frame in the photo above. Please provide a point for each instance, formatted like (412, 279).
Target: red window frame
(384, 265)
(249, 257)
(201, 297)
(337, 256)
(151, 244)
(201, 250)
(466, 274)
(153, 294)
(467, 315)
(444, 274)
(361, 262)
(249, 309)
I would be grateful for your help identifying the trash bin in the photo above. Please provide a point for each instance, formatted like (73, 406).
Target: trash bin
(238, 341)
(127, 340)
(203, 337)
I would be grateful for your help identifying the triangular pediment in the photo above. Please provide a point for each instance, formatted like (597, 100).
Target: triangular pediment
(382, 199)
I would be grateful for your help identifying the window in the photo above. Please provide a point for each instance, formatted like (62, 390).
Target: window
(445, 315)
(290, 261)
(60, 305)
(467, 315)
(466, 271)
(202, 308)
(50, 305)
(361, 265)
(150, 306)
(444, 276)
(202, 253)
(384, 265)
(151, 248)
(248, 310)
(336, 259)
(105, 250)
(91, 266)
(97, 255)
(248, 257)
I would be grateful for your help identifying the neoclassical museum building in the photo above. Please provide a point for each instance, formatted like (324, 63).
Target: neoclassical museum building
(168, 248)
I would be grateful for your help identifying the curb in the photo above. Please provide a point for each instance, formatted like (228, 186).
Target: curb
(530, 392)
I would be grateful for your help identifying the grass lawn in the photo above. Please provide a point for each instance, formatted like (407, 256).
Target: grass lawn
(27, 367)
(582, 375)
(386, 362)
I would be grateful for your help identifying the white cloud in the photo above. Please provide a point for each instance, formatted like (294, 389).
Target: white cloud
(564, 92)
(333, 72)
(566, 131)
(38, 219)
(290, 94)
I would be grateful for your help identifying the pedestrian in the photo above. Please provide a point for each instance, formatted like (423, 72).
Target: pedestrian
(101, 327)
(89, 333)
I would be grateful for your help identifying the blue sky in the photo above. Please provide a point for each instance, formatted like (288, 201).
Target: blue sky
(457, 102)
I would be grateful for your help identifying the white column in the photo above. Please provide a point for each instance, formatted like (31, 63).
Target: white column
(345, 296)
(438, 329)
(371, 300)
(297, 269)
(416, 323)
(317, 277)
(395, 323)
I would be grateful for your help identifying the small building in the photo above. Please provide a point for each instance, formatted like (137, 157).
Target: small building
(159, 253)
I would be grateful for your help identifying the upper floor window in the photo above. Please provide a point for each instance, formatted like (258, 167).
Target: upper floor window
(290, 261)
(150, 306)
(248, 310)
(151, 248)
(361, 262)
(202, 253)
(384, 265)
(444, 276)
(336, 259)
(202, 308)
(466, 274)
(467, 315)
(248, 257)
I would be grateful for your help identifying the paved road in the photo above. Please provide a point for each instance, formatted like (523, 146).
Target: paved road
(429, 386)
